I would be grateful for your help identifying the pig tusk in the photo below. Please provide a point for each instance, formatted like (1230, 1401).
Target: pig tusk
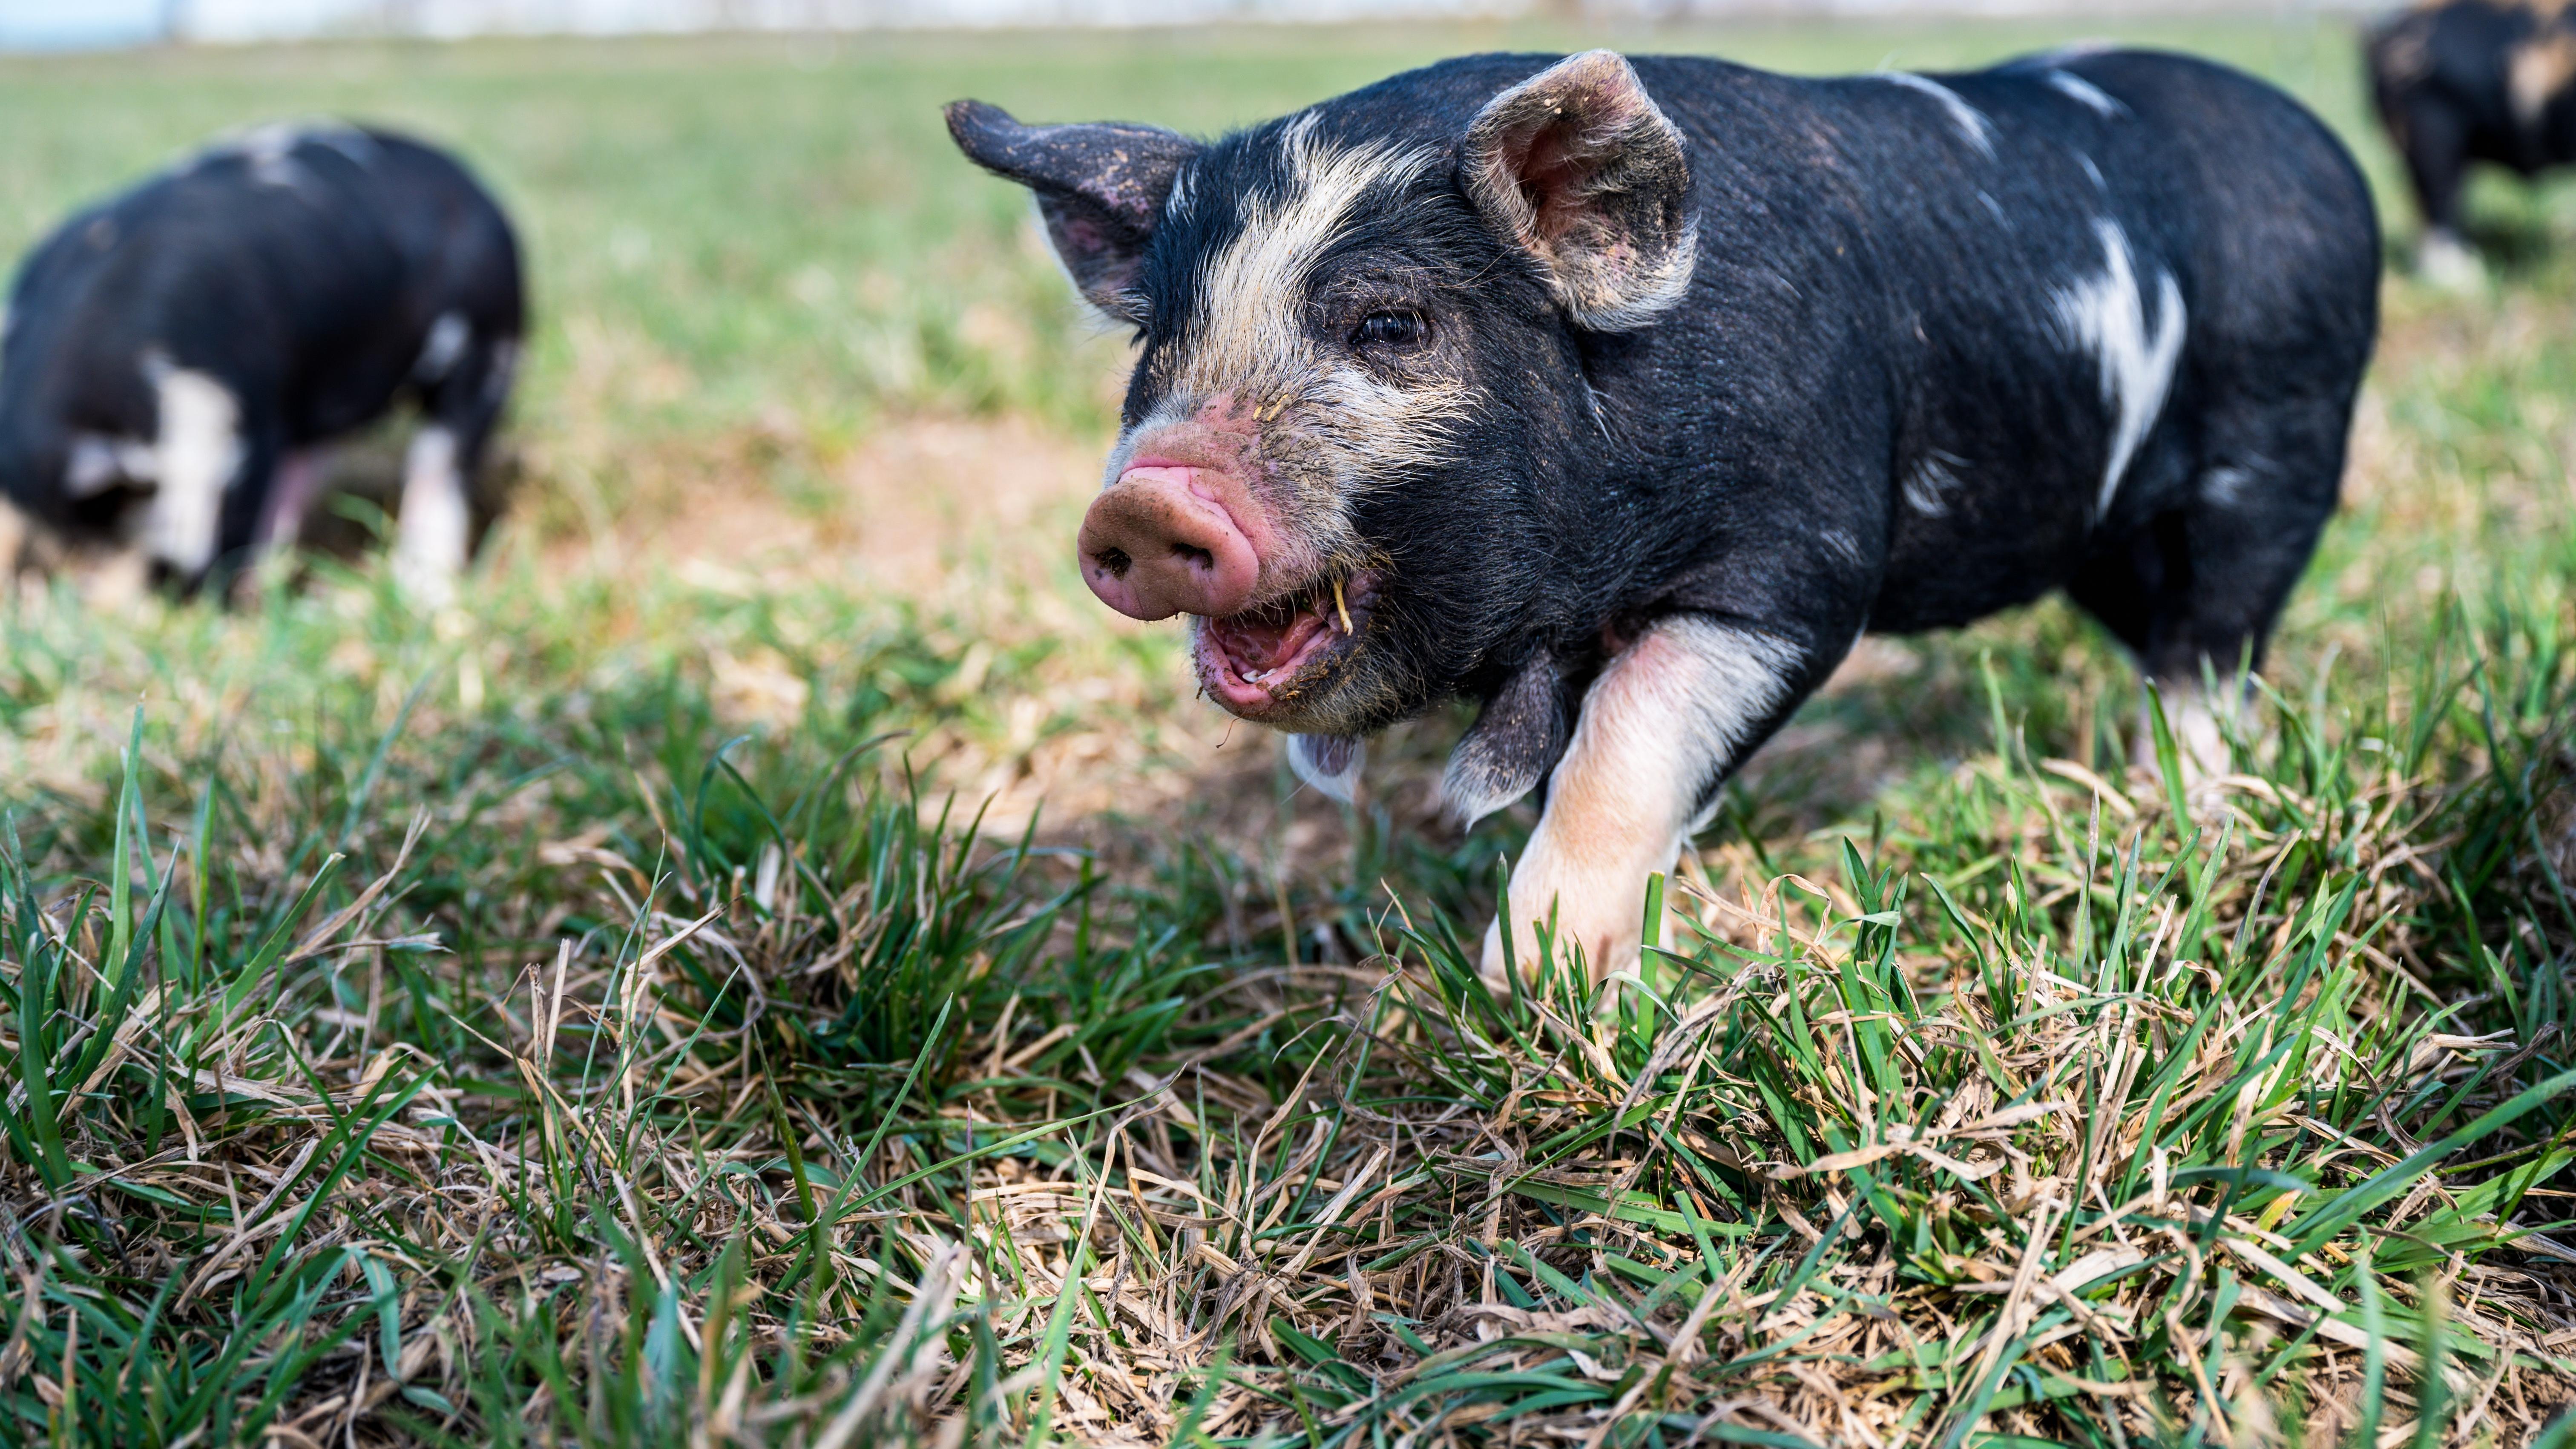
(1341, 608)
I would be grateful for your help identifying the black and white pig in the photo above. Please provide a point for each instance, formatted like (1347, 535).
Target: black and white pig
(2462, 81)
(173, 356)
(1623, 397)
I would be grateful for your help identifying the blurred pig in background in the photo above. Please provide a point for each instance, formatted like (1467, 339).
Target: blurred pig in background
(175, 357)
(2463, 81)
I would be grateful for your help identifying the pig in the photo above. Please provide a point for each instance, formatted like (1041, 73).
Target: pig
(2459, 81)
(174, 355)
(1621, 397)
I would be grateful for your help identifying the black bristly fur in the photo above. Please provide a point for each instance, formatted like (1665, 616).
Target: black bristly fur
(1870, 409)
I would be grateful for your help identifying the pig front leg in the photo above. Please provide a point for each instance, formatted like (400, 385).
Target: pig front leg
(1660, 729)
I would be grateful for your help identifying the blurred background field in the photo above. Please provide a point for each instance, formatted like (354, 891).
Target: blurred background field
(681, 986)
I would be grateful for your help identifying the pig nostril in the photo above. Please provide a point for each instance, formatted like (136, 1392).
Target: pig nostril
(1115, 561)
(1198, 558)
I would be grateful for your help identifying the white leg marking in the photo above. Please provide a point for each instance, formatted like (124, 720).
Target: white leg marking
(429, 543)
(1661, 720)
(1971, 122)
(2448, 262)
(2108, 315)
(199, 457)
(2200, 738)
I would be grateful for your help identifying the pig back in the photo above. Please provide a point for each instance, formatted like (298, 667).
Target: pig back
(1973, 324)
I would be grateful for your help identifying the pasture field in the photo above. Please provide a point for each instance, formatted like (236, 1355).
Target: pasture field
(778, 965)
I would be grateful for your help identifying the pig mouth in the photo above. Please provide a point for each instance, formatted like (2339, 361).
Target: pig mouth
(1257, 663)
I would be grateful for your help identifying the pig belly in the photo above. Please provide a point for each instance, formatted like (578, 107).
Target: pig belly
(1979, 558)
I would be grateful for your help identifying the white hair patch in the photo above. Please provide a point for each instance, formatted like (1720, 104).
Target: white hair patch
(1252, 292)
(431, 535)
(2107, 315)
(270, 150)
(440, 350)
(2229, 484)
(199, 456)
(1930, 482)
(99, 462)
(1332, 427)
(1971, 122)
(2102, 103)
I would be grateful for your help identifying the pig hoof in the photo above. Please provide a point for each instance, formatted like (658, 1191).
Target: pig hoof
(428, 583)
(2446, 262)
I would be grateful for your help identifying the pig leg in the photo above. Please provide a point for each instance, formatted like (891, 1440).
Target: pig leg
(2196, 591)
(2434, 139)
(199, 454)
(290, 500)
(1659, 731)
(16, 533)
(436, 530)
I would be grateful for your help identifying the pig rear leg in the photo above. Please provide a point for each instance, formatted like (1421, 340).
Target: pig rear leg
(434, 534)
(213, 464)
(1660, 730)
(2434, 139)
(2195, 591)
(17, 537)
(291, 496)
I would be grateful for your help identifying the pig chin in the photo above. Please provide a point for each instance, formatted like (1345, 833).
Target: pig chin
(1283, 663)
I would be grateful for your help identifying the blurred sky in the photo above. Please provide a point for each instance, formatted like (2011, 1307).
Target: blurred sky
(27, 24)
(47, 23)
(33, 24)
(39, 24)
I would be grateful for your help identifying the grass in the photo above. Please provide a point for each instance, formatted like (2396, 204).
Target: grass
(647, 1005)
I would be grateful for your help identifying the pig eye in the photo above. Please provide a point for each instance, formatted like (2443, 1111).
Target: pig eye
(1391, 329)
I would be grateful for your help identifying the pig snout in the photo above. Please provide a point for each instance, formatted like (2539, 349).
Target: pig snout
(1155, 544)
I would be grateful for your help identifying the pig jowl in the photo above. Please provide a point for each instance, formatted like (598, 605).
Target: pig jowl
(1621, 397)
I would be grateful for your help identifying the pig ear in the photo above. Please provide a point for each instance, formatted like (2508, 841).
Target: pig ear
(1100, 187)
(1578, 166)
(1512, 745)
(1330, 763)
